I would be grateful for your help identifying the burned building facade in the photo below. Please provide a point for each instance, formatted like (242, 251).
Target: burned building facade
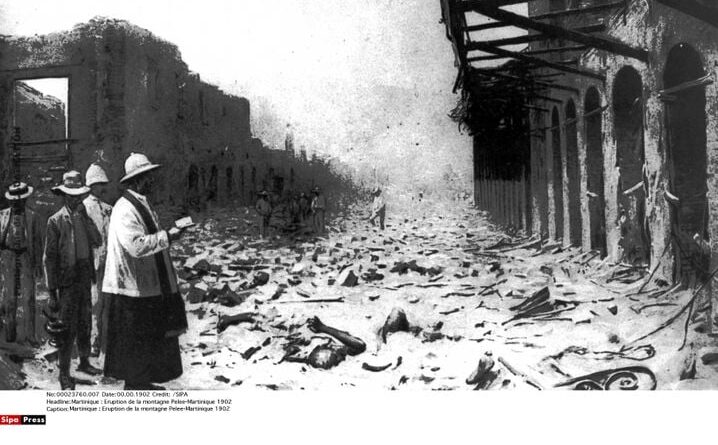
(602, 130)
(129, 91)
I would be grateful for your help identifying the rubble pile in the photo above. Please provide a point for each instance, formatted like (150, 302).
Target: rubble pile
(417, 306)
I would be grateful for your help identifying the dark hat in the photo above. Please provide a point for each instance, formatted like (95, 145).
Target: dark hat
(17, 191)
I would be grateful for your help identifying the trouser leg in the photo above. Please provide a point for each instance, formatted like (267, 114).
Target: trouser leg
(84, 316)
(68, 315)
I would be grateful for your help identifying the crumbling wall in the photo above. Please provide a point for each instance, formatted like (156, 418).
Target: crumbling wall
(130, 91)
(658, 29)
(71, 55)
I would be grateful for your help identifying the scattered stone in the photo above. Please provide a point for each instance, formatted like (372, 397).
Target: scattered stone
(347, 278)
(395, 322)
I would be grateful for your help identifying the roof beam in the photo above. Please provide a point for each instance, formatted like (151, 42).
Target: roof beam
(482, 46)
(599, 27)
(694, 9)
(532, 53)
(484, 73)
(577, 11)
(559, 32)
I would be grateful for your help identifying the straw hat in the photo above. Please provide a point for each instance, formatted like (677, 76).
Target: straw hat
(71, 185)
(95, 175)
(17, 191)
(137, 164)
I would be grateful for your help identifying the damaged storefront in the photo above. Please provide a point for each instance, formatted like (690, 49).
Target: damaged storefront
(612, 122)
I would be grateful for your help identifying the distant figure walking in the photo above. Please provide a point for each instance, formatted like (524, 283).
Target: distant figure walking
(264, 211)
(304, 210)
(319, 207)
(378, 208)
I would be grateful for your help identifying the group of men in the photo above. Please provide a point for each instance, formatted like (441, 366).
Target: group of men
(314, 212)
(302, 211)
(110, 263)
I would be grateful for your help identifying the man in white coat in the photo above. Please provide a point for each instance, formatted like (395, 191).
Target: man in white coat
(146, 313)
(99, 212)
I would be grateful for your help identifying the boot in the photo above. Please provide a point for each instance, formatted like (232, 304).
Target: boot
(87, 368)
(67, 383)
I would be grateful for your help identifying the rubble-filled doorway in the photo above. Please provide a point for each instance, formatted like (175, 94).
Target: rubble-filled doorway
(630, 157)
(557, 176)
(542, 177)
(193, 194)
(687, 157)
(229, 174)
(573, 175)
(212, 184)
(594, 170)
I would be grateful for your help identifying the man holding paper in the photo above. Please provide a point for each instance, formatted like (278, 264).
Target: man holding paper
(146, 314)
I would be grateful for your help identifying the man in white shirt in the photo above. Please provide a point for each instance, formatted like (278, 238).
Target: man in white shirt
(99, 212)
(378, 208)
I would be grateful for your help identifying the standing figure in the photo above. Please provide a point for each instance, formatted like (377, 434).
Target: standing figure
(99, 212)
(319, 207)
(303, 208)
(378, 208)
(20, 265)
(147, 313)
(294, 209)
(264, 210)
(70, 271)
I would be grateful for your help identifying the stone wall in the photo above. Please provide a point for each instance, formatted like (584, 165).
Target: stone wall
(676, 166)
(130, 91)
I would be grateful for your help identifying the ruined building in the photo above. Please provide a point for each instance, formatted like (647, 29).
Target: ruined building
(129, 91)
(595, 122)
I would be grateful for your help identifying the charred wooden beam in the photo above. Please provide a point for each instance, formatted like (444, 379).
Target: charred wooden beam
(465, 6)
(694, 9)
(547, 98)
(578, 11)
(555, 86)
(532, 53)
(599, 27)
(613, 46)
(482, 46)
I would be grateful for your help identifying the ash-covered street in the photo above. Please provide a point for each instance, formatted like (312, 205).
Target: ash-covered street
(547, 315)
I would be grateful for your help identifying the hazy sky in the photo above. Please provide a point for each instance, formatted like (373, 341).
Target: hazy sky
(366, 80)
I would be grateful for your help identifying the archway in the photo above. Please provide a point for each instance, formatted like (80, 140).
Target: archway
(594, 170)
(542, 170)
(573, 175)
(687, 157)
(229, 174)
(193, 196)
(557, 176)
(630, 156)
(212, 184)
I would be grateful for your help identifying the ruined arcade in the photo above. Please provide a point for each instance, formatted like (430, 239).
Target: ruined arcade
(608, 114)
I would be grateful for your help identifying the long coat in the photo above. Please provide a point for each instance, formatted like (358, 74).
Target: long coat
(130, 268)
(60, 250)
(20, 311)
